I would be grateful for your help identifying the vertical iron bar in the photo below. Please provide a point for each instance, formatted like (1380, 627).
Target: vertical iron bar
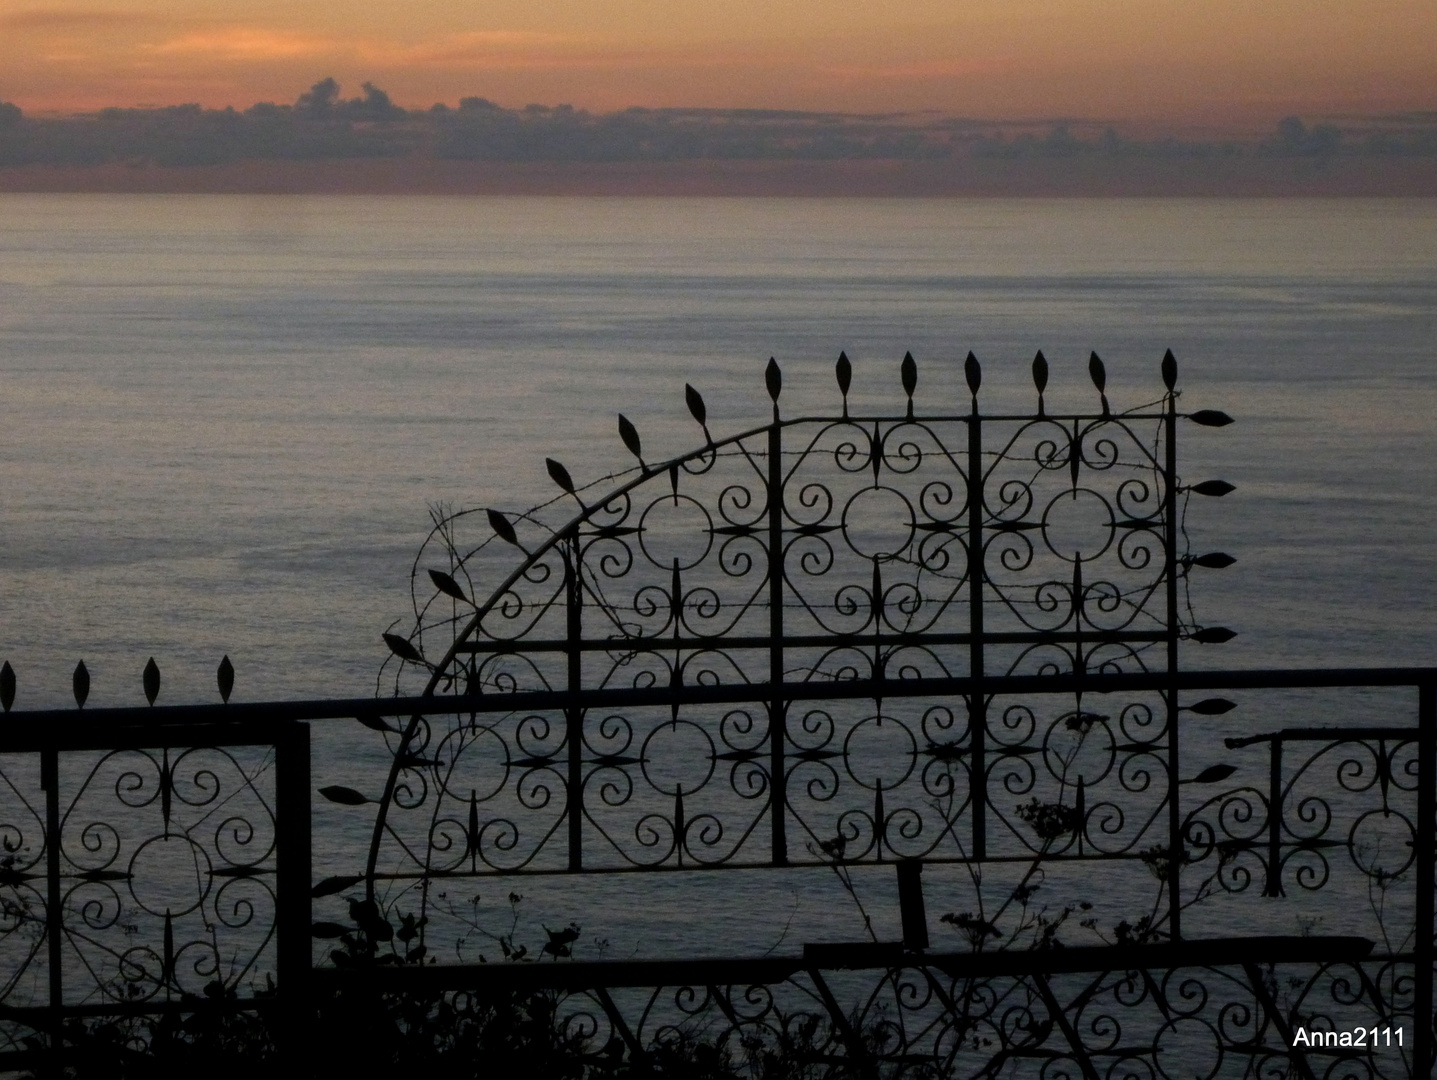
(293, 882)
(1274, 818)
(777, 708)
(977, 703)
(1176, 850)
(54, 920)
(574, 715)
(1422, 1004)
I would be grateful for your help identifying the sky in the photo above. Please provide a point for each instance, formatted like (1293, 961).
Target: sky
(1221, 63)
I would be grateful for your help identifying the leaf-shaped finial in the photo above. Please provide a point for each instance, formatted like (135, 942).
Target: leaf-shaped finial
(225, 676)
(973, 372)
(1214, 488)
(1214, 635)
(402, 648)
(1210, 418)
(1040, 372)
(151, 680)
(7, 686)
(630, 435)
(1097, 372)
(1170, 369)
(844, 371)
(773, 379)
(559, 475)
(698, 410)
(696, 405)
(446, 584)
(909, 373)
(1214, 560)
(502, 527)
(1099, 376)
(80, 683)
(345, 796)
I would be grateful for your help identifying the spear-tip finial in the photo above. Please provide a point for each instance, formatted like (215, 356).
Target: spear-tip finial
(843, 371)
(698, 410)
(225, 677)
(1170, 370)
(909, 373)
(1099, 376)
(80, 683)
(151, 680)
(630, 435)
(973, 372)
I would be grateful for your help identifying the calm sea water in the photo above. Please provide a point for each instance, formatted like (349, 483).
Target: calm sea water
(224, 420)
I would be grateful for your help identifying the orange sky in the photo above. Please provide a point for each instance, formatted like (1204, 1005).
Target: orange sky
(1221, 62)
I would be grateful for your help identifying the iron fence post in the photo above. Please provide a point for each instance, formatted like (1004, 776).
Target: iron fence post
(294, 951)
(1176, 850)
(574, 715)
(777, 707)
(1422, 1004)
(1273, 885)
(54, 917)
(977, 702)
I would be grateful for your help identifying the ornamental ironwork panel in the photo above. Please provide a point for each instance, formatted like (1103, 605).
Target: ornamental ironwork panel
(858, 556)
(141, 869)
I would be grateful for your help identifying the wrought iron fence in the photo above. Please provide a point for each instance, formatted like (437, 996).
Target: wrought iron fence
(917, 639)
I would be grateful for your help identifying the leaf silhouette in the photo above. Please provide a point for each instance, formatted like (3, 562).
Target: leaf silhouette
(844, 372)
(1213, 773)
(559, 475)
(1210, 418)
(1214, 488)
(345, 796)
(1214, 560)
(402, 648)
(446, 584)
(630, 435)
(502, 526)
(1213, 706)
(909, 374)
(695, 402)
(1170, 369)
(1214, 635)
(151, 680)
(80, 683)
(225, 677)
(1040, 371)
(1097, 372)
(973, 373)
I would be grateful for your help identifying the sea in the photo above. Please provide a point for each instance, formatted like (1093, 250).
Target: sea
(226, 421)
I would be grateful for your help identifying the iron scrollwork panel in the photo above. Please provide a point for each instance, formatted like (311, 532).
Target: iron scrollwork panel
(168, 866)
(1078, 778)
(1352, 798)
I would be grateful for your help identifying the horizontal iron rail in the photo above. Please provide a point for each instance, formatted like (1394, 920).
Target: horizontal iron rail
(22, 730)
(1323, 734)
(585, 975)
(806, 641)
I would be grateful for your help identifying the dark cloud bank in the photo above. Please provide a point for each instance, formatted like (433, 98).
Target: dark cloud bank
(324, 126)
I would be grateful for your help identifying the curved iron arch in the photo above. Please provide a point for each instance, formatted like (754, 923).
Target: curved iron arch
(1135, 521)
